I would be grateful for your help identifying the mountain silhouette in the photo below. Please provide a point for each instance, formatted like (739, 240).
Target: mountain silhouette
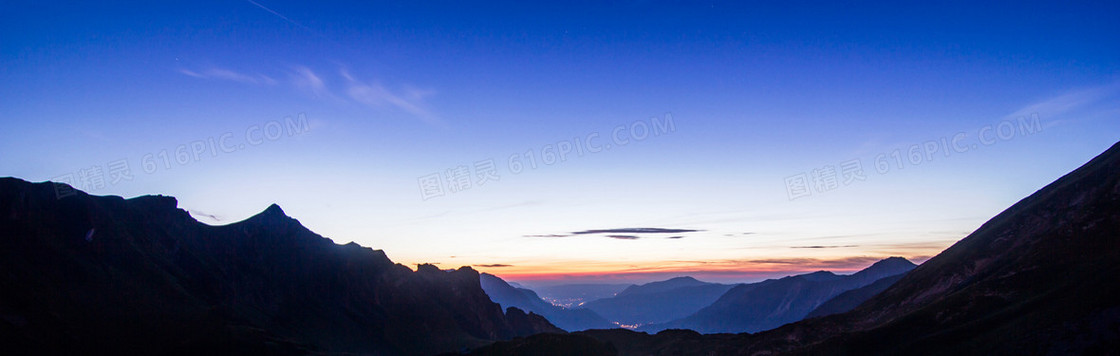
(771, 303)
(85, 273)
(568, 319)
(662, 286)
(851, 299)
(1038, 278)
(657, 302)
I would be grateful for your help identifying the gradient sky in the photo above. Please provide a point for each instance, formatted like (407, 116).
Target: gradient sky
(747, 122)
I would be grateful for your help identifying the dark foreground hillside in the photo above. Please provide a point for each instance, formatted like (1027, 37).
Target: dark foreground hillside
(85, 274)
(1040, 278)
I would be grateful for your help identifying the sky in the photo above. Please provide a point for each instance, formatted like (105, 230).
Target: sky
(563, 142)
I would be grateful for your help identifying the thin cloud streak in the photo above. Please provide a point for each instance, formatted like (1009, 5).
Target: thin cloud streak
(373, 95)
(1065, 102)
(306, 79)
(377, 96)
(624, 237)
(282, 17)
(636, 230)
(212, 217)
(229, 75)
(1054, 109)
(546, 235)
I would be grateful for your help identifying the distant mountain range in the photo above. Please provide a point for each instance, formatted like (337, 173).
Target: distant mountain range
(84, 274)
(687, 303)
(657, 302)
(769, 304)
(568, 319)
(1039, 278)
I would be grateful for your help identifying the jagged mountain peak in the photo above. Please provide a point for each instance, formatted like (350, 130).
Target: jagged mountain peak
(155, 276)
(274, 209)
(272, 212)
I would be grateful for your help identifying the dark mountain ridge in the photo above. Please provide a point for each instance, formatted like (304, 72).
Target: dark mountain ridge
(140, 276)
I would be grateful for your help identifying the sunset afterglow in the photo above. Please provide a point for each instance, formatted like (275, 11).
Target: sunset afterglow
(549, 143)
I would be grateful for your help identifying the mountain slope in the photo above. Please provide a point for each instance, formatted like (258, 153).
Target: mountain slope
(140, 276)
(1039, 278)
(568, 319)
(657, 302)
(772, 303)
(851, 299)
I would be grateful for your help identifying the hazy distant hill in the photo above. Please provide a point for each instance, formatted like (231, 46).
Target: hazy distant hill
(658, 302)
(568, 319)
(1039, 278)
(772, 303)
(85, 274)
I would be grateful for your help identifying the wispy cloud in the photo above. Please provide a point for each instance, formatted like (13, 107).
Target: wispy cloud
(636, 230)
(810, 263)
(624, 237)
(208, 216)
(630, 233)
(372, 94)
(495, 265)
(306, 79)
(409, 100)
(1079, 101)
(226, 74)
(822, 246)
(739, 234)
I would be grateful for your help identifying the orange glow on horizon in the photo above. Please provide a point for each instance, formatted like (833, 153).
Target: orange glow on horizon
(743, 270)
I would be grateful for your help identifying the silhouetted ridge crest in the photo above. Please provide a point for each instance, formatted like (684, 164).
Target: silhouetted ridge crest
(272, 215)
(274, 210)
(141, 276)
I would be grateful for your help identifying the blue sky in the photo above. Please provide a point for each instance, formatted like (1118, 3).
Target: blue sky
(341, 112)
